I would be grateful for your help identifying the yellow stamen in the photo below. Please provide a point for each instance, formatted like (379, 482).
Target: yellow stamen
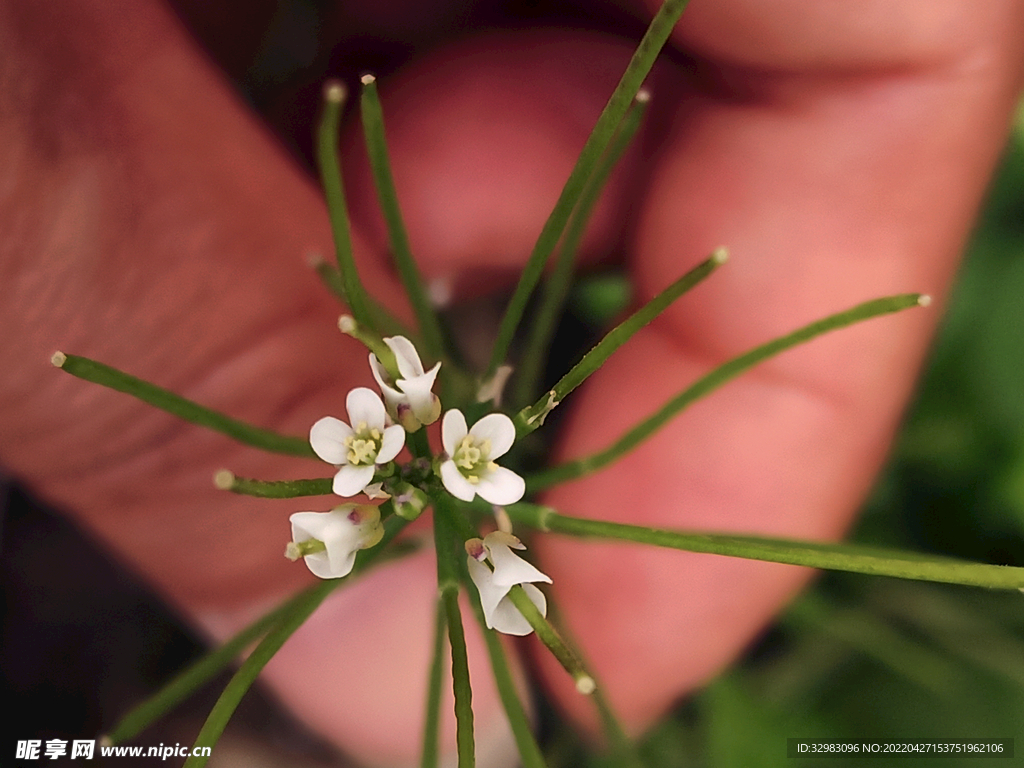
(363, 451)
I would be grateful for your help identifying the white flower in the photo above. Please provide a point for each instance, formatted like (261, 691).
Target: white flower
(508, 570)
(410, 400)
(356, 450)
(470, 467)
(335, 537)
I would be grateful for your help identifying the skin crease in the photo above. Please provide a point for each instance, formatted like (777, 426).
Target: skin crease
(152, 223)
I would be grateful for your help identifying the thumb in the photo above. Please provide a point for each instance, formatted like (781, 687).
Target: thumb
(152, 224)
(839, 160)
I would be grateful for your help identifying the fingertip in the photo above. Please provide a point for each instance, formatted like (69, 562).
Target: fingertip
(482, 137)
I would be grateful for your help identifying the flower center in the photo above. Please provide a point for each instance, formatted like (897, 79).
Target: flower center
(363, 445)
(473, 458)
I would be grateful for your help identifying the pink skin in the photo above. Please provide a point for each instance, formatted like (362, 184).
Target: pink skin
(150, 222)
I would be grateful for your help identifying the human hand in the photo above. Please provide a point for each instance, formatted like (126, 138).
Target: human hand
(162, 229)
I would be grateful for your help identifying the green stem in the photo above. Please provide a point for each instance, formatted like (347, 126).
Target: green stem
(384, 320)
(329, 275)
(448, 587)
(458, 513)
(621, 747)
(529, 419)
(548, 635)
(639, 66)
(226, 480)
(432, 720)
(418, 444)
(853, 558)
(707, 384)
(165, 400)
(460, 681)
(337, 210)
(189, 680)
(289, 621)
(252, 666)
(556, 286)
(380, 164)
(529, 750)
(373, 341)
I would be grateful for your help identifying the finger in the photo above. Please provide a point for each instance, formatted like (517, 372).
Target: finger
(808, 433)
(482, 136)
(838, 161)
(159, 231)
(150, 222)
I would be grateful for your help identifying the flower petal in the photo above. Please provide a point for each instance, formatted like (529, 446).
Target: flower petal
(510, 568)
(457, 485)
(320, 566)
(340, 536)
(506, 617)
(419, 391)
(340, 562)
(453, 429)
(490, 594)
(364, 406)
(392, 397)
(306, 526)
(351, 480)
(327, 438)
(408, 359)
(391, 444)
(501, 486)
(499, 429)
(342, 543)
